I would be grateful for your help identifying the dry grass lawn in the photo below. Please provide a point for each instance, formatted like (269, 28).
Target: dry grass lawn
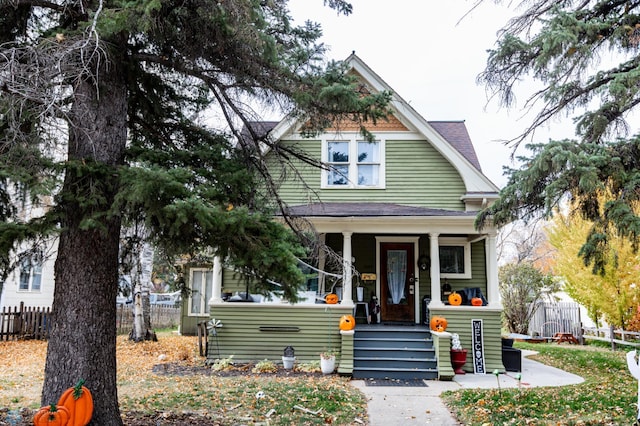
(166, 382)
(23, 366)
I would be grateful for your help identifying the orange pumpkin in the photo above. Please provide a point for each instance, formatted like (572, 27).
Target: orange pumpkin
(455, 299)
(347, 322)
(51, 415)
(476, 301)
(331, 298)
(79, 402)
(438, 323)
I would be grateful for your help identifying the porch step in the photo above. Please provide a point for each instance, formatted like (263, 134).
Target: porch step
(396, 373)
(394, 352)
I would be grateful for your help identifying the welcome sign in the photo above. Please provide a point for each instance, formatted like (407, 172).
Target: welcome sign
(477, 346)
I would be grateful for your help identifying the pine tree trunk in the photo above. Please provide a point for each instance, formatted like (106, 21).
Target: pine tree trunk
(82, 342)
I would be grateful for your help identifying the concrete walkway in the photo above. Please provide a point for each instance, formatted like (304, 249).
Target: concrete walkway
(399, 406)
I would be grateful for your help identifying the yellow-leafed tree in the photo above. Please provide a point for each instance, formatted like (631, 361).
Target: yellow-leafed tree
(613, 295)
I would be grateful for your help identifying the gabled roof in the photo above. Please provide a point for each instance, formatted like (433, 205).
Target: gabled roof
(450, 138)
(455, 132)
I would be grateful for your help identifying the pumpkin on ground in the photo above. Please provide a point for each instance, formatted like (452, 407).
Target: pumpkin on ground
(455, 299)
(51, 415)
(79, 403)
(347, 322)
(438, 323)
(476, 301)
(331, 298)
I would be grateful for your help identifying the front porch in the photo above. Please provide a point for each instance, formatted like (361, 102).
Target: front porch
(252, 332)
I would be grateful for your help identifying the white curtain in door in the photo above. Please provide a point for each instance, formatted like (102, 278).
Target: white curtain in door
(396, 274)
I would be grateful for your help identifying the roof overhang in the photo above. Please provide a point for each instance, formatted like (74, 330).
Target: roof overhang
(381, 218)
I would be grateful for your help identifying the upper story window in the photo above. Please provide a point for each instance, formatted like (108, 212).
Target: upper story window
(455, 258)
(30, 275)
(353, 164)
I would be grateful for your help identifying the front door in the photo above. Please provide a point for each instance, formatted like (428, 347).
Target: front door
(397, 284)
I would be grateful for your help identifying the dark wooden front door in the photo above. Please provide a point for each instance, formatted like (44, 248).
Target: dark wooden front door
(397, 285)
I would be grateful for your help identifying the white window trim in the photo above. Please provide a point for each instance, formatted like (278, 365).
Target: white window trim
(29, 289)
(460, 242)
(204, 304)
(353, 140)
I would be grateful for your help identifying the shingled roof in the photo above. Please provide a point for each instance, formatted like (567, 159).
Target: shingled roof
(455, 132)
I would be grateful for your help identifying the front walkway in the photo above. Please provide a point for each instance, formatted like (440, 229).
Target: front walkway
(400, 406)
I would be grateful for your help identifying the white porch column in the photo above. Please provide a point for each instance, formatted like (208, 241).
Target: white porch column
(493, 294)
(347, 298)
(216, 289)
(434, 252)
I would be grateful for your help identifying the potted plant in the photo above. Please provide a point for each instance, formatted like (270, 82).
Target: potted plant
(288, 358)
(458, 355)
(328, 361)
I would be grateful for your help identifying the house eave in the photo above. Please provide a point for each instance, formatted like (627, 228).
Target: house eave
(462, 225)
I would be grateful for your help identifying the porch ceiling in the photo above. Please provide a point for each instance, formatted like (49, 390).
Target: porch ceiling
(371, 210)
(385, 218)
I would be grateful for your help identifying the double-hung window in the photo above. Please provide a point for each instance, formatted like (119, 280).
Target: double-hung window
(30, 275)
(201, 284)
(455, 258)
(353, 163)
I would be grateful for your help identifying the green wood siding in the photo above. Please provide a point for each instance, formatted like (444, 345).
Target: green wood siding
(459, 321)
(189, 324)
(254, 332)
(442, 345)
(416, 174)
(478, 271)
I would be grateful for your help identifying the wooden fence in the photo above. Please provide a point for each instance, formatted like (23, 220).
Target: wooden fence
(162, 316)
(560, 317)
(21, 322)
(613, 336)
(24, 323)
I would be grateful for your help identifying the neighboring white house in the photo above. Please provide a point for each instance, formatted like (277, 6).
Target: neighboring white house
(31, 282)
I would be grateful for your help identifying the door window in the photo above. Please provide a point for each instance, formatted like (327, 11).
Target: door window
(397, 275)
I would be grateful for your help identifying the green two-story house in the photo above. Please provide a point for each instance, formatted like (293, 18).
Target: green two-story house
(400, 213)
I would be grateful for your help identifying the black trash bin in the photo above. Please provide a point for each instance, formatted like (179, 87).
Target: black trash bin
(511, 358)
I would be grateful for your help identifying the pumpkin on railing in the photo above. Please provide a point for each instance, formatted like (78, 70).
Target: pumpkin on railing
(455, 299)
(331, 298)
(438, 323)
(476, 301)
(347, 322)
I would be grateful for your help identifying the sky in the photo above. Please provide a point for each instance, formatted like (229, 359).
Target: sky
(430, 52)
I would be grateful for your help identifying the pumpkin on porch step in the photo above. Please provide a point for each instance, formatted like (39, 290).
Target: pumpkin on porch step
(455, 299)
(438, 323)
(347, 322)
(476, 301)
(331, 298)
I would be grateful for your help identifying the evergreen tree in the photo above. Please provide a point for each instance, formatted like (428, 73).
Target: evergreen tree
(103, 112)
(561, 44)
